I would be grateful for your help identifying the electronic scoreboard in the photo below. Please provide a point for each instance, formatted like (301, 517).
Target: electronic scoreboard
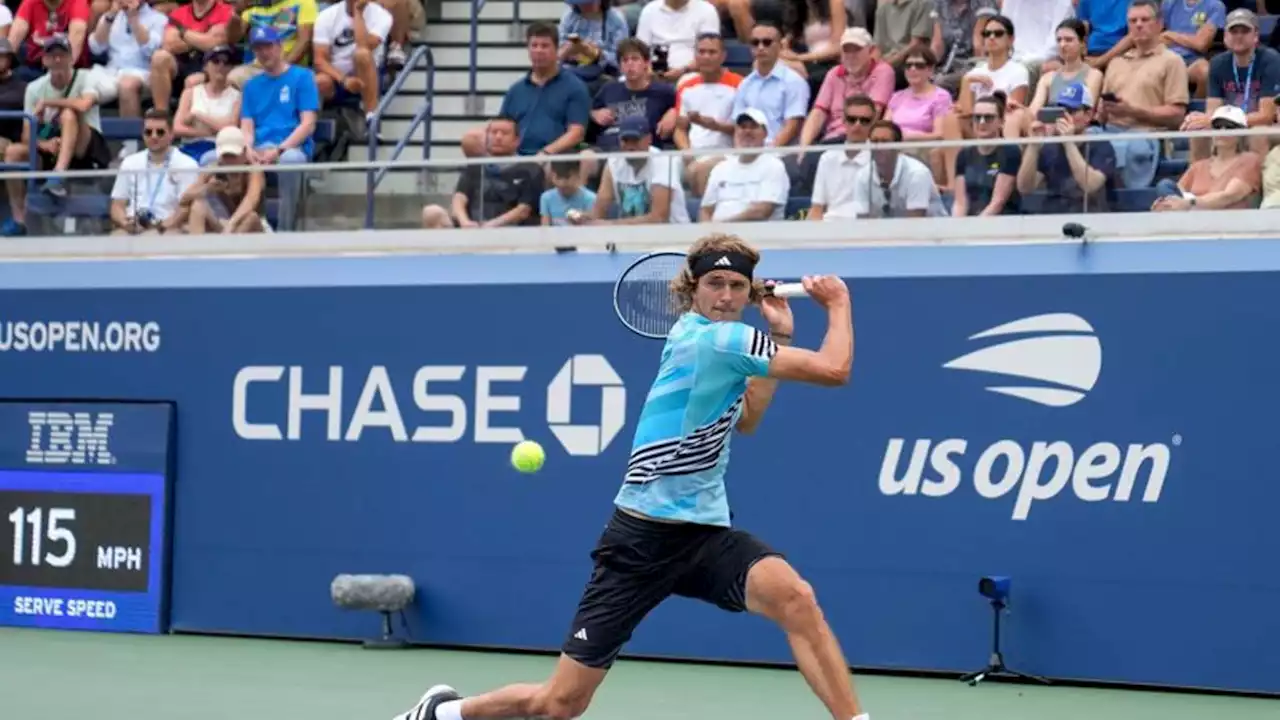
(85, 491)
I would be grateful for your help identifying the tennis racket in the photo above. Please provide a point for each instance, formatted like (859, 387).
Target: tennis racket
(642, 294)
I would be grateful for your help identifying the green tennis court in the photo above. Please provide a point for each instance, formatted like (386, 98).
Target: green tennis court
(52, 674)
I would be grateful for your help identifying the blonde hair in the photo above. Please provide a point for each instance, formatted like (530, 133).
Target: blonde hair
(684, 284)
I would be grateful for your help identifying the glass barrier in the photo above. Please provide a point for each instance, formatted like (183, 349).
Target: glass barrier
(1089, 173)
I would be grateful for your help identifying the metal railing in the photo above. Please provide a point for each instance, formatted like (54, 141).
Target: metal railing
(33, 157)
(421, 117)
(476, 7)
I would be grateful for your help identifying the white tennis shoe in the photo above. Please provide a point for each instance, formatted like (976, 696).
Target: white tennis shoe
(432, 699)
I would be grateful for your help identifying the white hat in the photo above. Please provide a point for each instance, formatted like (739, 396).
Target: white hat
(856, 36)
(230, 141)
(1231, 114)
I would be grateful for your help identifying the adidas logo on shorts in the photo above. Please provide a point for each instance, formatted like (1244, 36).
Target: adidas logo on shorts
(581, 634)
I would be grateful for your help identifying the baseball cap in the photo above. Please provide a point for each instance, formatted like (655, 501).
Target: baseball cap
(1242, 16)
(755, 115)
(230, 141)
(1075, 96)
(57, 42)
(264, 35)
(856, 36)
(1231, 114)
(633, 126)
(223, 50)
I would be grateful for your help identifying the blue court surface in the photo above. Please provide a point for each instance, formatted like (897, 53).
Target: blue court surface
(50, 674)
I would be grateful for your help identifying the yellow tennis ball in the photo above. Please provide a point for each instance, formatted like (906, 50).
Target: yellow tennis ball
(528, 456)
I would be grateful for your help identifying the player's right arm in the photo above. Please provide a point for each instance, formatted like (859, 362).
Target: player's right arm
(830, 364)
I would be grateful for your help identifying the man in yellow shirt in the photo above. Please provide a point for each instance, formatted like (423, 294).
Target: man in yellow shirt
(294, 20)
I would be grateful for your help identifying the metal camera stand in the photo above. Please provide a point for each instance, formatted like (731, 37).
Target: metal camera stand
(995, 665)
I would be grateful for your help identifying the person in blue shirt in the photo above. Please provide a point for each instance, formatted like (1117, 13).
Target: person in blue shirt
(567, 196)
(278, 110)
(1108, 25)
(670, 531)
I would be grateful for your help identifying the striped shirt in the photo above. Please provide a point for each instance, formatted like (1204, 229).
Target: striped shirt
(710, 99)
(681, 446)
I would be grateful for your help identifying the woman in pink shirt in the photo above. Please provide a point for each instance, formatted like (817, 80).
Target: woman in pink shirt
(921, 108)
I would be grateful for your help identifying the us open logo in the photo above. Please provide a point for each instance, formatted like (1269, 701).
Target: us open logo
(1062, 353)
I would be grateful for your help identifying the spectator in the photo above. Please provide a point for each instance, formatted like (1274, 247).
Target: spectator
(894, 184)
(998, 72)
(13, 90)
(704, 106)
(1190, 29)
(1073, 180)
(671, 28)
(772, 87)
(551, 106)
(1038, 22)
(647, 191)
(957, 38)
(567, 198)
(921, 109)
(194, 28)
(859, 73)
(813, 32)
(1143, 90)
(635, 94)
(986, 176)
(1227, 180)
(496, 195)
(145, 198)
(1107, 20)
(350, 44)
(128, 34)
(39, 20)
(902, 27)
(294, 20)
(207, 108)
(1071, 69)
(1247, 76)
(748, 186)
(227, 202)
(592, 30)
(278, 116)
(65, 104)
(834, 182)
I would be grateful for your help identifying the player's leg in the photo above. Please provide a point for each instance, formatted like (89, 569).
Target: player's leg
(738, 572)
(632, 575)
(776, 591)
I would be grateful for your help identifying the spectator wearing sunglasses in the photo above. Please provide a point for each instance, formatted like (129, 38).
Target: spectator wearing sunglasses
(834, 180)
(957, 40)
(987, 175)
(921, 109)
(773, 88)
(1247, 76)
(1075, 177)
(894, 184)
(145, 198)
(903, 27)
(1226, 180)
(207, 108)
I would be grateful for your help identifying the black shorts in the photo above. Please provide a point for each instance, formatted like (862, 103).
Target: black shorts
(97, 154)
(639, 563)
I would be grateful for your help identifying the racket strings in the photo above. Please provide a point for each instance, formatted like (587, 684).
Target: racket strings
(643, 296)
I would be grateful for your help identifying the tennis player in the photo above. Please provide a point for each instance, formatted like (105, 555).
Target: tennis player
(670, 532)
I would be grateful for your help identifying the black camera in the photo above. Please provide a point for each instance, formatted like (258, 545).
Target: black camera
(144, 219)
(660, 63)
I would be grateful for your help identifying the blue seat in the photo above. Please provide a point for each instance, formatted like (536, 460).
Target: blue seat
(1134, 199)
(1171, 168)
(736, 54)
(1267, 25)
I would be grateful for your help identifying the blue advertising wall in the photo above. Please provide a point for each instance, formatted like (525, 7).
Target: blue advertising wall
(1098, 424)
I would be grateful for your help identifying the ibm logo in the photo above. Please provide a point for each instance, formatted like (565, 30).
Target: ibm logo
(58, 438)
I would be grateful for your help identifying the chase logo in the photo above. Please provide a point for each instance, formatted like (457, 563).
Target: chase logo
(1059, 352)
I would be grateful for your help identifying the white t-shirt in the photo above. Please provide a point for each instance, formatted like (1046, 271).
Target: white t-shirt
(835, 183)
(678, 30)
(734, 186)
(1037, 22)
(334, 28)
(1009, 77)
(151, 187)
(711, 100)
(911, 188)
(633, 191)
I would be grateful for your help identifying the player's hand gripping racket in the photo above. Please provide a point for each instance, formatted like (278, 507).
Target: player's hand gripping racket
(642, 294)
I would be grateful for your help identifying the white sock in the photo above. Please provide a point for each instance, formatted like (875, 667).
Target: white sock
(863, 716)
(451, 710)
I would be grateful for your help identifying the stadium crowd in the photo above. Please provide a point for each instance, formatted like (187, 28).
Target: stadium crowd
(217, 83)
(661, 75)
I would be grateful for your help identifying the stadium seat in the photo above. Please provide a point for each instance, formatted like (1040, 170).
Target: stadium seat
(1267, 25)
(1134, 199)
(737, 56)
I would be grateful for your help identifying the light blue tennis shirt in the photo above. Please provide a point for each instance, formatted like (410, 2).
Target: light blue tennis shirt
(681, 447)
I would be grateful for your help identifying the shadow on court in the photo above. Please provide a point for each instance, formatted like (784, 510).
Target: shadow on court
(49, 675)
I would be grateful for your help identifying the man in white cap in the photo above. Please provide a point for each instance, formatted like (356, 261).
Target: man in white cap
(227, 202)
(748, 186)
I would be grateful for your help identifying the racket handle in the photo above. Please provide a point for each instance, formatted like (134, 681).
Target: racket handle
(789, 290)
